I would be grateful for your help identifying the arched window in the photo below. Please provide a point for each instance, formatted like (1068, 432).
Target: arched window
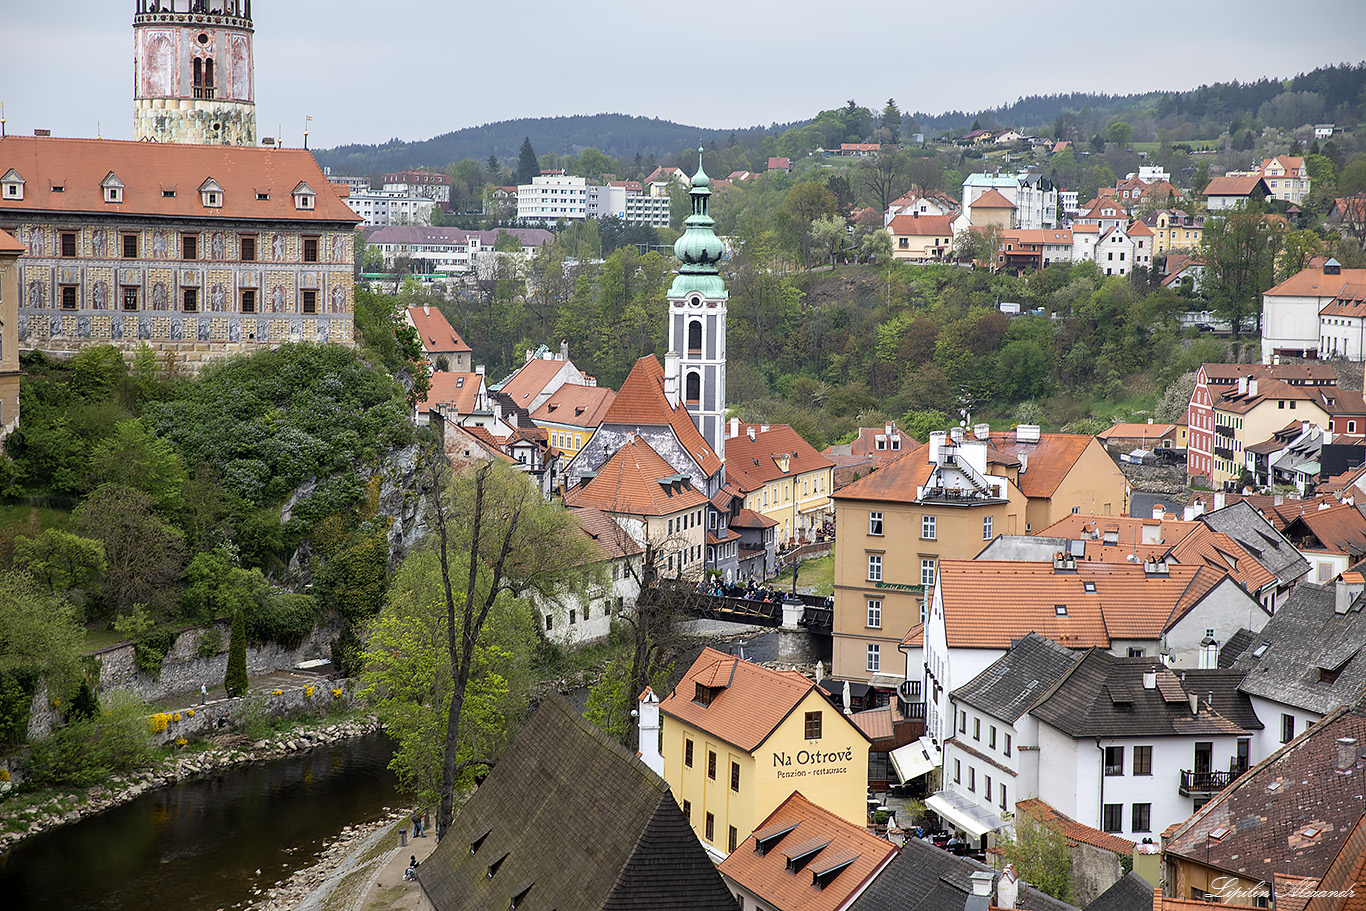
(198, 77)
(694, 388)
(695, 338)
(208, 75)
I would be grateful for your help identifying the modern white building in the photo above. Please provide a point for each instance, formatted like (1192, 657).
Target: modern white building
(452, 251)
(1316, 312)
(431, 184)
(1035, 198)
(391, 207)
(553, 197)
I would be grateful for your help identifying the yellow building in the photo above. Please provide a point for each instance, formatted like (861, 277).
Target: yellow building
(738, 739)
(10, 251)
(1174, 229)
(780, 476)
(947, 500)
(571, 414)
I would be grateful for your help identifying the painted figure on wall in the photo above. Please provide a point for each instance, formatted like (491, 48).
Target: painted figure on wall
(338, 300)
(99, 243)
(99, 299)
(277, 299)
(159, 297)
(37, 243)
(159, 245)
(219, 246)
(277, 244)
(218, 298)
(35, 295)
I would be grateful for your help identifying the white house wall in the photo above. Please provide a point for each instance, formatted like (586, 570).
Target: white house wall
(1289, 322)
(1225, 609)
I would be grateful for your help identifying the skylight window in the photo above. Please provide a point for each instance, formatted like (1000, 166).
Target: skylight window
(1219, 833)
(1311, 831)
(1090, 587)
(1260, 650)
(1060, 610)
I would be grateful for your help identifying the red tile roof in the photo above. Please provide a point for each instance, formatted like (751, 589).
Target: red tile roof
(1312, 282)
(1233, 186)
(458, 390)
(849, 854)
(752, 463)
(148, 169)
(612, 540)
(924, 225)
(748, 518)
(438, 336)
(1051, 459)
(754, 701)
(9, 245)
(991, 199)
(629, 484)
(1075, 832)
(530, 380)
(579, 406)
(642, 401)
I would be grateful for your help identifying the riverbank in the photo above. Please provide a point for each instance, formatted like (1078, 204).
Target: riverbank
(25, 815)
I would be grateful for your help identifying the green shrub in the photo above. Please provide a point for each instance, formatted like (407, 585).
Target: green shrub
(86, 752)
(16, 698)
(235, 680)
(210, 642)
(282, 617)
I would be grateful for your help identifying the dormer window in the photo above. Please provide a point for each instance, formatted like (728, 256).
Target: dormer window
(304, 197)
(211, 193)
(112, 188)
(11, 185)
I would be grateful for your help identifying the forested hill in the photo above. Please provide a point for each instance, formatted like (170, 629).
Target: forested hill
(616, 135)
(1337, 85)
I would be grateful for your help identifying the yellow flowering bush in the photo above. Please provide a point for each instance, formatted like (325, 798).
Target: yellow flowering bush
(308, 693)
(190, 712)
(4, 775)
(181, 741)
(277, 692)
(158, 722)
(177, 716)
(336, 694)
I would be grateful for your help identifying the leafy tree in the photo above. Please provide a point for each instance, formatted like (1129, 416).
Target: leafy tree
(920, 424)
(1041, 857)
(1352, 180)
(235, 678)
(884, 177)
(528, 166)
(40, 634)
(1240, 249)
(828, 235)
(512, 544)
(137, 458)
(1119, 134)
(890, 122)
(144, 554)
(60, 561)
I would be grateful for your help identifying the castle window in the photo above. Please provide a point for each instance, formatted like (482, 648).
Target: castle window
(68, 297)
(68, 244)
(249, 249)
(249, 300)
(191, 300)
(694, 388)
(113, 194)
(310, 249)
(130, 246)
(130, 298)
(310, 301)
(695, 339)
(189, 246)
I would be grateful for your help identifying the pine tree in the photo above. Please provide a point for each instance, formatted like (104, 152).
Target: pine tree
(527, 165)
(235, 680)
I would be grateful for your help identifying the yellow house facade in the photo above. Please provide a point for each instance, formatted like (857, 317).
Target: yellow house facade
(737, 739)
(780, 476)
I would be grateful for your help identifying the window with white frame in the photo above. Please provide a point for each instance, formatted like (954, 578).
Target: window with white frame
(875, 523)
(927, 524)
(927, 573)
(875, 567)
(986, 528)
(874, 613)
(874, 657)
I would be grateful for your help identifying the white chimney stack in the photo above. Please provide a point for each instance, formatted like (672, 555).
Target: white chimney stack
(1150, 680)
(1346, 753)
(1158, 511)
(648, 718)
(734, 428)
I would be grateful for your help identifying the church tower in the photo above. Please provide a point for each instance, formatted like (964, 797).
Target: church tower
(696, 363)
(192, 72)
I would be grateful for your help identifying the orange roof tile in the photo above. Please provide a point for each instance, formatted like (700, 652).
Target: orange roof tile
(612, 540)
(9, 245)
(1233, 186)
(1051, 459)
(642, 401)
(530, 380)
(1075, 832)
(578, 406)
(458, 390)
(1136, 431)
(629, 484)
(752, 463)
(753, 702)
(1312, 282)
(436, 333)
(849, 854)
(992, 199)
(924, 225)
(896, 481)
(149, 169)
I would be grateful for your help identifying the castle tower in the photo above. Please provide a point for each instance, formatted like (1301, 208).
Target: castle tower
(192, 72)
(697, 320)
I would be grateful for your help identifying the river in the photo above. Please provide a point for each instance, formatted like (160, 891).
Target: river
(204, 844)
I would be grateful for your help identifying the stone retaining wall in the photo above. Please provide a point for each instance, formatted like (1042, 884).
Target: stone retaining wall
(310, 697)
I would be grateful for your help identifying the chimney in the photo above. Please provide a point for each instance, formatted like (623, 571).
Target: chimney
(1278, 499)
(956, 434)
(1345, 592)
(1154, 567)
(1195, 703)
(1242, 385)
(980, 899)
(734, 430)
(426, 309)
(1252, 386)
(564, 349)
(750, 432)
(1024, 462)
(937, 438)
(1218, 500)
(529, 353)
(981, 431)
(1158, 511)
(671, 368)
(1346, 754)
(887, 429)
(763, 428)
(647, 716)
(479, 369)
(1150, 680)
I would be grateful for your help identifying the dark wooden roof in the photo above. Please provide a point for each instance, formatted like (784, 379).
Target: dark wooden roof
(570, 821)
(925, 878)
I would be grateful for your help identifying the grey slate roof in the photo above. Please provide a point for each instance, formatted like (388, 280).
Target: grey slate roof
(1011, 684)
(1233, 649)
(1241, 522)
(1127, 894)
(578, 824)
(1103, 696)
(1220, 685)
(1306, 635)
(926, 878)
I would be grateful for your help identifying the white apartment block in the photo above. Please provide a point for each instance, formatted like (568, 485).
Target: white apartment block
(1035, 198)
(553, 197)
(380, 208)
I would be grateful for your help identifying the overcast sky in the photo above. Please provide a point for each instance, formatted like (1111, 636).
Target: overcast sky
(412, 69)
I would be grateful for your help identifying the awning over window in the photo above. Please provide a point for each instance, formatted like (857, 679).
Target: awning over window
(965, 814)
(915, 759)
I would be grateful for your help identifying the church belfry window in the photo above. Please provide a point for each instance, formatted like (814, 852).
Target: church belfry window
(694, 388)
(694, 338)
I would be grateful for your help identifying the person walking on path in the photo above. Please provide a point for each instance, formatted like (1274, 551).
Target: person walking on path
(203, 693)
(417, 823)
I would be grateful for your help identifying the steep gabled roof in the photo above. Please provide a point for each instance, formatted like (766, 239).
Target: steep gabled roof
(612, 540)
(458, 390)
(9, 245)
(992, 199)
(752, 463)
(629, 483)
(1242, 522)
(641, 400)
(1011, 684)
(1104, 696)
(1235, 186)
(436, 333)
(1075, 832)
(1337, 529)
(850, 858)
(924, 225)
(926, 878)
(594, 830)
(530, 380)
(752, 700)
(580, 406)
(1051, 459)
(1129, 893)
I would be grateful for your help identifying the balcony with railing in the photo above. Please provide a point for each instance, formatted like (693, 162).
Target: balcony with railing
(909, 700)
(1208, 783)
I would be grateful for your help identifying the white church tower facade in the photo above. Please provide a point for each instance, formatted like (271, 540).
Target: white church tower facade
(695, 368)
